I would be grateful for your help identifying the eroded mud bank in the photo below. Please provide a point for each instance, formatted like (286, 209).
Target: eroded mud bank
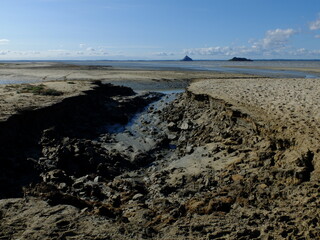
(25, 135)
(199, 168)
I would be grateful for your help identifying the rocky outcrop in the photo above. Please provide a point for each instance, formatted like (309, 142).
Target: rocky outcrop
(187, 58)
(238, 59)
(230, 162)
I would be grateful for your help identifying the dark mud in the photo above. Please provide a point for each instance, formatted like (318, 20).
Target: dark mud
(194, 168)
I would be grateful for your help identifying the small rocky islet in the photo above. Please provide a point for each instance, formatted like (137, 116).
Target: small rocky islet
(187, 59)
(240, 59)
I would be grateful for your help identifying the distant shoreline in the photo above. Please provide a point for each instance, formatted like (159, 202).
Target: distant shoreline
(154, 60)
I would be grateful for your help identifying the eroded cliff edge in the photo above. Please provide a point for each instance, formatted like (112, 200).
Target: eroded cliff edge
(216, 169)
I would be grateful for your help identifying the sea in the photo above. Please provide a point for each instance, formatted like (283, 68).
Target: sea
(247, 67)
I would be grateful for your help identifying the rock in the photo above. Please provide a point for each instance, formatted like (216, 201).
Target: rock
(172, 136)
(172, 126)
(56, 176)
(262, 186)
(189, 149)
(187, 58)
(184, 126)
(195, 206)
(138, 196)
(237, 178)
(62, 186)
(97, 179)
(240, 59)
(106, 211)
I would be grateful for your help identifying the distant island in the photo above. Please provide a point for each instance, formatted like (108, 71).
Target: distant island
(240, 59)
(187, 58)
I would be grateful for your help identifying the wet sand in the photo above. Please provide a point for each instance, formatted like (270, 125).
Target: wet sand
(297, 69)
(136, 79)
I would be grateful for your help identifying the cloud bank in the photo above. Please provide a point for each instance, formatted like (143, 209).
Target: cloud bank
(275, 44)
(4, 41)
(54, 54)
(163, 54)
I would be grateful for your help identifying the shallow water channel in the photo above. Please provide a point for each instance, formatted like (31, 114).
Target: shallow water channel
(139, 121)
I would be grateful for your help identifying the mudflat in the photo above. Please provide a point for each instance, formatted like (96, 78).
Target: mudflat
(138, 79)
(22, 80)
(234, 157)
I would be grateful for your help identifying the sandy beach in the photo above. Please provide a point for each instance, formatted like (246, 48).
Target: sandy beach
(298, 69)
(288, 106)
(233, 157)
(293, 103)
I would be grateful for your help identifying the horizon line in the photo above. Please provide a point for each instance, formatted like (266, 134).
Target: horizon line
(148, 60)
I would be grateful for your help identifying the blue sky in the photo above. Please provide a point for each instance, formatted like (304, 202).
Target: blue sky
(159, 29)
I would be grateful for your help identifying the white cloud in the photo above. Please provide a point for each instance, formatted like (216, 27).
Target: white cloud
(4, 52)
(275, 39)
(57, 50)
(209, 51)
(82, 45)
(305, 52)
(315, 25)
(90, 49)
(4, 41)
(33, 53)
(52, 54)
(163, 54)
(317, 36)
(221, 51)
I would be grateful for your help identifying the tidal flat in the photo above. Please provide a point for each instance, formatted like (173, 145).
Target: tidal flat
(233, 156)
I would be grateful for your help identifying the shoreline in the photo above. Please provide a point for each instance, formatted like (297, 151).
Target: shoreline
(26, 72)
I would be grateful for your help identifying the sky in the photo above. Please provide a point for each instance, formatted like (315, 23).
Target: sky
(159, 29)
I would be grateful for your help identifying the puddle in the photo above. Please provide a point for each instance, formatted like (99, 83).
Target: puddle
(17, 80)
(170, 91)
(13, 81)
(172, 146)
(312, 76)
(115, 128)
